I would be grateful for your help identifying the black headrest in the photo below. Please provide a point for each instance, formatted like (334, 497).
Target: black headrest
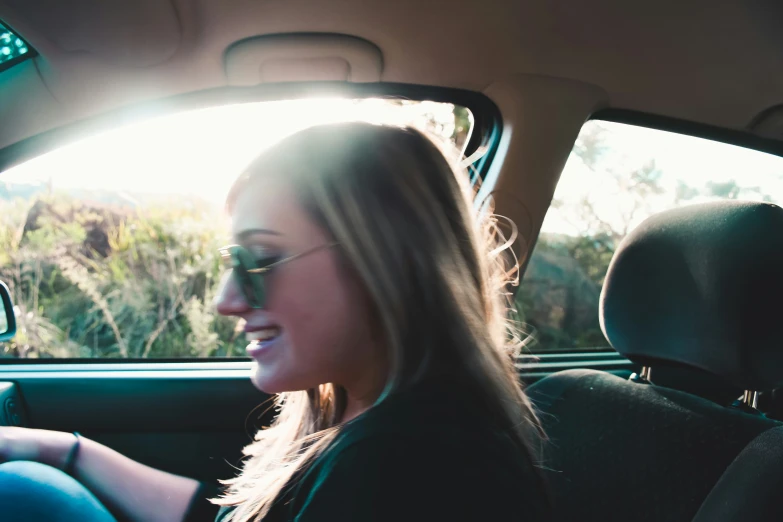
(702, 286)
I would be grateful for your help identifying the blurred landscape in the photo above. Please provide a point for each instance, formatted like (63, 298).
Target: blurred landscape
(99, 277)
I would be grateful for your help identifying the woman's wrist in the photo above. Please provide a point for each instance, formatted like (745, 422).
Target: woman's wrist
(70, 460)
(56, 449)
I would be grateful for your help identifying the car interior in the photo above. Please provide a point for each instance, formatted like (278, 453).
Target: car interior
(635, 146)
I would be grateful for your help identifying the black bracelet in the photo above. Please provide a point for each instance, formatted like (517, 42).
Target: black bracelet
(71, 460)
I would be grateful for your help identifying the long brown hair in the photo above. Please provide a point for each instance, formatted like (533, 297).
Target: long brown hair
(403, 212)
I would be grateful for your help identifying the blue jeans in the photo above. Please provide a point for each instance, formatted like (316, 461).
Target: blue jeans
(30, 491)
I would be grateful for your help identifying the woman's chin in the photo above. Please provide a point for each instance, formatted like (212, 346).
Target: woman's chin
(266, 380)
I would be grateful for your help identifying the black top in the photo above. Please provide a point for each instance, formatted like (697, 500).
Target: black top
(426, 454)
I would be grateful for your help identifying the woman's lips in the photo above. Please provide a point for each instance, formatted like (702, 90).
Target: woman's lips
(261, 340)
(262, 334)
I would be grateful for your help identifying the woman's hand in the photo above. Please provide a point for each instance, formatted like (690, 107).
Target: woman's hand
(47, 447)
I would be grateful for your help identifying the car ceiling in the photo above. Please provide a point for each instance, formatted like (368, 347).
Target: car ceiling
(713, 62)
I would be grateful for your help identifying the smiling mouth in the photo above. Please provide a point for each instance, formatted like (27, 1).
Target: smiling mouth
(258, 336)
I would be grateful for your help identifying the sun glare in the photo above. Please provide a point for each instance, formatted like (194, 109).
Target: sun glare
(604, 193)
(199, 153)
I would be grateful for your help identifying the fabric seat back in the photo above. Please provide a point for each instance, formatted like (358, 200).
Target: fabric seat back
(620, 450)
(694, 289)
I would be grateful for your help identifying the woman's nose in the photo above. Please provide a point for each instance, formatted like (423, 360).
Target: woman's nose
(229, 299)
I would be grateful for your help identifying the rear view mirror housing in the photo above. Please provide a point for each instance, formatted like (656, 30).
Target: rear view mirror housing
(7, 317)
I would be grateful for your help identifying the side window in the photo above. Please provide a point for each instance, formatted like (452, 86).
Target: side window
(618, 175)
(109, 245)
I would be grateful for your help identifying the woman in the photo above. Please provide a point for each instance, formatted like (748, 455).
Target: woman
(373, 300)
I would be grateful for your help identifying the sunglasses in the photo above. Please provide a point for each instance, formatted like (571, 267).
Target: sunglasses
(249, 271)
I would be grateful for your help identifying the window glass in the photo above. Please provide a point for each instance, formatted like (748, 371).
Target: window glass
(618, 175)
(11, 46)
(109, 246)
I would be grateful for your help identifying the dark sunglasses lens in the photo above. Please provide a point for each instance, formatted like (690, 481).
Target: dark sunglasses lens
(252, 285)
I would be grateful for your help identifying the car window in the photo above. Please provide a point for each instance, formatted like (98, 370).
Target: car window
(109, 245)
(616, 176)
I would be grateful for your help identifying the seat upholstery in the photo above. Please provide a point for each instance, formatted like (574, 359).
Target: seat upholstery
(697, 286)
(688, 290)
(750, 489)
(618, 447)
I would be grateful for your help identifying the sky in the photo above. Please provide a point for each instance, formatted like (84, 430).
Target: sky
(201, 152)
(679, 158)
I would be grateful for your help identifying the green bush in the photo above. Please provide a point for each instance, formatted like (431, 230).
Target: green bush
(93, 280)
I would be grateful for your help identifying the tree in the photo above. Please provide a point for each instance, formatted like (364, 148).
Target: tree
(560, 292)
(731, 190)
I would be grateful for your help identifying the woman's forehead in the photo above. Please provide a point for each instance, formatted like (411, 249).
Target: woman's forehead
(268, 206)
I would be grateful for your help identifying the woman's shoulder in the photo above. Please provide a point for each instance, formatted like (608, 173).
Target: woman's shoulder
(415, 458)
(413, 477)
(439, 410)
(446, 451)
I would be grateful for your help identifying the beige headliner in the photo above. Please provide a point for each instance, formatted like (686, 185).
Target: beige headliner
(546, 63)
(716, 62)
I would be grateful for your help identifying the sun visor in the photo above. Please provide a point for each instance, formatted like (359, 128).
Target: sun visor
(302, 57)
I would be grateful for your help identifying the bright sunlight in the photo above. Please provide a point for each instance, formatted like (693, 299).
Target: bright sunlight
(199, 153)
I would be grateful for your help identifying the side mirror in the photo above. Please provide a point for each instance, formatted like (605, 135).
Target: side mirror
(7, 317)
